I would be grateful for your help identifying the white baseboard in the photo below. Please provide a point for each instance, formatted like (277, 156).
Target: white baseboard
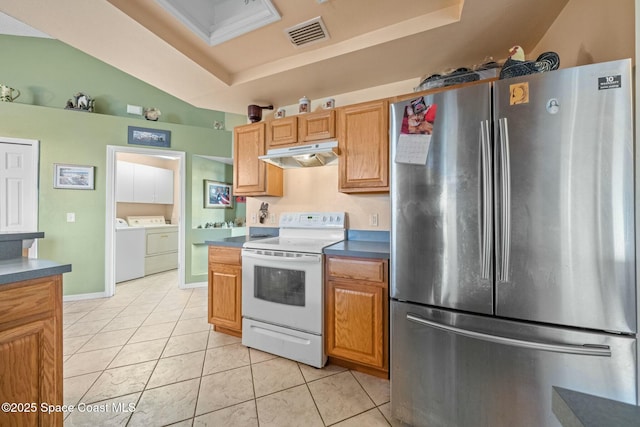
(78, 297)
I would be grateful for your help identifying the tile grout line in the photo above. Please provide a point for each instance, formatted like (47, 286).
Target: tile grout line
(116, 355)
(154, 366)
(101, 372)
(204, 361)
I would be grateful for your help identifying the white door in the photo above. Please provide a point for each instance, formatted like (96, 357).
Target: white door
(18, 185)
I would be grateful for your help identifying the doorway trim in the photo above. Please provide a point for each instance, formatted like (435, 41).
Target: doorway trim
(110, 220)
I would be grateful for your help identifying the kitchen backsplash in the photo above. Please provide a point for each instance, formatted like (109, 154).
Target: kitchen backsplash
(316, 189)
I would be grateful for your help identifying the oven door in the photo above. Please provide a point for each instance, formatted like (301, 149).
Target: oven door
(283, 288)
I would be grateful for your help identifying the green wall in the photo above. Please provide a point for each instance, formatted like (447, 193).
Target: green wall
(48, 73)
(203, 168)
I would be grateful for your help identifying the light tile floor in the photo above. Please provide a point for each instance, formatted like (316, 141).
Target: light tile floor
(150, 348)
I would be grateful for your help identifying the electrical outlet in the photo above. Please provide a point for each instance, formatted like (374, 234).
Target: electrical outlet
(254, 218)
(71, 217)
(272, 218)
(373, 220)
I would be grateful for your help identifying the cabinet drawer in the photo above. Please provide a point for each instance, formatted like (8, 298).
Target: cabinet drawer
(373, 270)
(31, 300)
(225, 255)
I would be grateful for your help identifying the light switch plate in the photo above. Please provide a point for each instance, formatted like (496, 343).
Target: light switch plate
(71, 217)
(134, 109)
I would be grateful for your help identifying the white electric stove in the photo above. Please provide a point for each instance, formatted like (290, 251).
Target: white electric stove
(283, 286)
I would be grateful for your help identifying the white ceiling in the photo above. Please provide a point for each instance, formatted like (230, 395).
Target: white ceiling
(372, 43)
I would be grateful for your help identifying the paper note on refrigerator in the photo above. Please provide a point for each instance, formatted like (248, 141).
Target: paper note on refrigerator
(413, 149)
(415, 133)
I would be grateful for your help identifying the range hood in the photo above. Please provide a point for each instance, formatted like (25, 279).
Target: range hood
(303, 156)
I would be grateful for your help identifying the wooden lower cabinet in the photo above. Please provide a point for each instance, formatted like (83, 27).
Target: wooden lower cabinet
(357, 314)
(31, 351)
(225, 289)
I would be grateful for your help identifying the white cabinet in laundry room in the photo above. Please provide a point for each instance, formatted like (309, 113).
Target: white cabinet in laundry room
(124, 182)
(137, 183)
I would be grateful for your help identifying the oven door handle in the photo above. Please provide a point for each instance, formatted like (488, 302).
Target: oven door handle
(310, 258)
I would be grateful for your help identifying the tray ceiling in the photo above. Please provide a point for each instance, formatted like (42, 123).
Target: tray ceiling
(371, 43)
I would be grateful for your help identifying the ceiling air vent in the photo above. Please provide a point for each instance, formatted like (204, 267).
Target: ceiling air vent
(311, 31)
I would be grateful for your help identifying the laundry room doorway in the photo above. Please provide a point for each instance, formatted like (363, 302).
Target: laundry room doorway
(156, 213)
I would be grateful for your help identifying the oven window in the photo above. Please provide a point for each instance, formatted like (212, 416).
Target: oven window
(279, 285)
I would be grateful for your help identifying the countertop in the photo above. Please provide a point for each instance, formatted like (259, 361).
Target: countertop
(6, 236)
(18, 269)
(236, 241)
(361, 244)
(360, 249)
(575, 409)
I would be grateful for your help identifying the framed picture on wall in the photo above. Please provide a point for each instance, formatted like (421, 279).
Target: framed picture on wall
(151, 137)
(74, 177)
(217, 194)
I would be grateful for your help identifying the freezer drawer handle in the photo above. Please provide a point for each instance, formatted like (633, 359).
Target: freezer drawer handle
(584, 350)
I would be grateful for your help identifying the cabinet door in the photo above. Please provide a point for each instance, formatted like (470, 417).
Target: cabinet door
(144, 186)
(282, 132)
(252, 176)
(225, 296)
(317, 126)
(355, 319)
(163, 186)
(31, 350)
(363, 138)
(248, 170)
(124, 182)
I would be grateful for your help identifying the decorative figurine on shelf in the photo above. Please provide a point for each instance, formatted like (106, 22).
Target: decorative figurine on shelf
(254, 112)
(6, 93)
(152, 114)
(516, 65)
(80, 102)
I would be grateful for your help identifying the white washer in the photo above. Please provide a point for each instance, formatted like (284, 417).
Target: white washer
(130, 251)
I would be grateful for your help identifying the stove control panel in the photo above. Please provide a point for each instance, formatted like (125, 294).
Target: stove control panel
(313, 220)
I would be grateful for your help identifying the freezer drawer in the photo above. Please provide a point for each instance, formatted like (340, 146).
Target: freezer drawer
(491, 372)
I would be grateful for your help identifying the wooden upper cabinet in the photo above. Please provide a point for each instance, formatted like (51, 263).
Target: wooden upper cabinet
(295, 130)
(363, 138)
(317, 126)
(252, 176)
(282, 132)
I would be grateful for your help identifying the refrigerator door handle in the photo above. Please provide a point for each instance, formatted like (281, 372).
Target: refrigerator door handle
(505, 199)
(584, 350)
(486, 198)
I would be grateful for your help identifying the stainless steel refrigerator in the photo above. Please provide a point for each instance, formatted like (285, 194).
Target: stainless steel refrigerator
(513, 248)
